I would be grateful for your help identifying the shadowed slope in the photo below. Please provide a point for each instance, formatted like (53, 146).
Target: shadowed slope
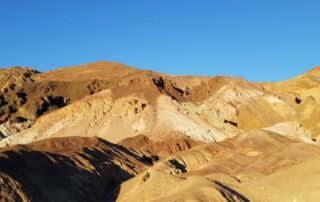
(67, 169)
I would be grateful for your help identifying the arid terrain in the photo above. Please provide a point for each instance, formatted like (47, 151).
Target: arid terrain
(109, 132)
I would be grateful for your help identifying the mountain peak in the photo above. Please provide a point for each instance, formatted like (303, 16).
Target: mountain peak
(96, 70)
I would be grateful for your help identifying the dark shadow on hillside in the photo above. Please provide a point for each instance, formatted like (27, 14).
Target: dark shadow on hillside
(89, 175)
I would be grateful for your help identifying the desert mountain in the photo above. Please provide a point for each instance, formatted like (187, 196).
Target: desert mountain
(139, 135)
(101, 99)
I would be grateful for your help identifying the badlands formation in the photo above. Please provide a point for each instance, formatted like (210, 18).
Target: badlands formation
(109, 132)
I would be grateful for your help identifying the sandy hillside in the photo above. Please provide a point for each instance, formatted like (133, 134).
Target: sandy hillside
(255, 166)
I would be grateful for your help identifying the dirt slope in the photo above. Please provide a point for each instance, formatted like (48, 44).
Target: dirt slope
(256, 166)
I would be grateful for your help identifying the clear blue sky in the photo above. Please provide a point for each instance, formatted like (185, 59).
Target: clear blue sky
(260, 40)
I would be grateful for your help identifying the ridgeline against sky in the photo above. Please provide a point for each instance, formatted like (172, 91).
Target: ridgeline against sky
(258, 40)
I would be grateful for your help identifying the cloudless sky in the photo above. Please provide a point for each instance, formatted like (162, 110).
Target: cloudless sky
(260, 40)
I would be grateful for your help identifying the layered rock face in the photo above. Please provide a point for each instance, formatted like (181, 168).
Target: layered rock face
(106, 131)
